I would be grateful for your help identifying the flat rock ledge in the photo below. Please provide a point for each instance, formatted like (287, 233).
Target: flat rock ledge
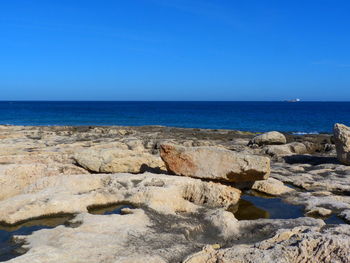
(71, 194)
(214, 164)
(118, 161)
(143, 235)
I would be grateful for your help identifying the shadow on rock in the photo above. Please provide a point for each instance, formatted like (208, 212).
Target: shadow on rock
(308, 159)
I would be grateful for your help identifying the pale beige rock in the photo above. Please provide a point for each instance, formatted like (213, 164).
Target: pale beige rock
(140, 234)
(297, 245)
(286, 149)
(319, 211)
(117, 161)
(15, 177)
(271, 186)
(342, 142)
(214, 163)
(269, 138)
(75, 193)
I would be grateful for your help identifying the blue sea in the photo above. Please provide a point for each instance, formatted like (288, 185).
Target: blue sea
(300, 117)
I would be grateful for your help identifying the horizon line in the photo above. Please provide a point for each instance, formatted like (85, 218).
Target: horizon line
(173, 101)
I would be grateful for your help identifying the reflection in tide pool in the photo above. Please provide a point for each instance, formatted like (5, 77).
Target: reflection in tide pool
(9, 249)
(109, 209)
(253, 205)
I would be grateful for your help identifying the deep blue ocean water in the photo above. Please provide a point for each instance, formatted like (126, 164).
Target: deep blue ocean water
(308, 117)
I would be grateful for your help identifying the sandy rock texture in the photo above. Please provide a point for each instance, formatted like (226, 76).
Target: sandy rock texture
(342, 142)
(76, 193)
(269, 138)
(142, 234)
(271, 186)
(215, 164)
(299, 244)
(51, 171)
(118, 161)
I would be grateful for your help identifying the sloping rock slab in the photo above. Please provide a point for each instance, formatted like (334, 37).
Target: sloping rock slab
(214, 163)
(117, 161)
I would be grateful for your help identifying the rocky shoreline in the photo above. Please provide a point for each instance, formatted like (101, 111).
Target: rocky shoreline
(181, 189)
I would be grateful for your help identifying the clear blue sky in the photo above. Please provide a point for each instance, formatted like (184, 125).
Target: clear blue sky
(174, 49)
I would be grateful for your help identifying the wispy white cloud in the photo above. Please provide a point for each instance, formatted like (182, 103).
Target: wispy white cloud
(331, 63)
(79, 29)
(210, 9)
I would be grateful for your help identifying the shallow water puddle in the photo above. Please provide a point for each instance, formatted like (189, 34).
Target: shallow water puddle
(253, 205)
(109, 209)
(9, 249)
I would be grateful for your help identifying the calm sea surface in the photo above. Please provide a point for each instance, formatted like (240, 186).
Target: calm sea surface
(301, 117)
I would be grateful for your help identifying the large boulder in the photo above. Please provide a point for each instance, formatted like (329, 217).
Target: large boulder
(269, 138)
(118, 161)
(214, 163)
(342, 142)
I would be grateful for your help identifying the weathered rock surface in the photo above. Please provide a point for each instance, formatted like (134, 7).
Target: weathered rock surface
(76, 193)
(325, 186)
(176, 216)
(269, 138)
(15, 177)
(118, 161)
(215, 164)
(286, 149)
(271, 186)
(143, 235)
(299, 244)
(342, 142)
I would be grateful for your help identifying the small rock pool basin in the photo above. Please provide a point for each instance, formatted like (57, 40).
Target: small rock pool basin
(254, 205)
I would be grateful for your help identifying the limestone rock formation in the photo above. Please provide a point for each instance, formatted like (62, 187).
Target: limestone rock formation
(342, 142)
(118, 161)
(71, 194)
(271, 186)
(214, 163)
(170, 218)
(298, 244)
(286, 149)
(15, 177)
(135, 236)
(269, 138)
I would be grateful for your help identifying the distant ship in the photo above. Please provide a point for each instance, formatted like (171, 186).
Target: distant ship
(294, 100)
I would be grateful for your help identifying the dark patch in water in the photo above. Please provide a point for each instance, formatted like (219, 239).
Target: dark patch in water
(109, 209)
(248, 211)
(252, 207)
(10, 249)
(332, 220)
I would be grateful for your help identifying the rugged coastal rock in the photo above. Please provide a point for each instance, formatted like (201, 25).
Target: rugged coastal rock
(76, 193)
(51, 171)
(271, 186)
(118, 161)
(146, 236)
(342, 142)
(215, 164)
(299, 244)
(286, 149)
(269, 138)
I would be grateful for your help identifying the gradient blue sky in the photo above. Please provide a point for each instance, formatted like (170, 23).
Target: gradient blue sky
(174, 49)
